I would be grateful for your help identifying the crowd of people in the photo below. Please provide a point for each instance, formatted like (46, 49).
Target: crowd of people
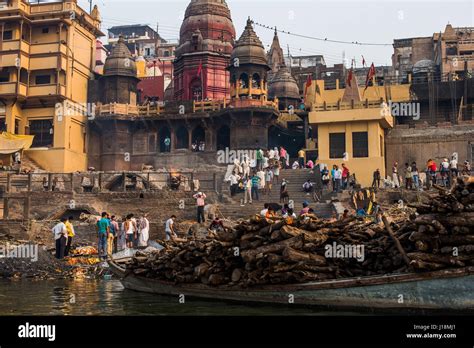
(113, 234)
(442, 174)
(261, 175)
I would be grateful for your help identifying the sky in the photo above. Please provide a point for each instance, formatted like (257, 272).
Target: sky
(368, 21)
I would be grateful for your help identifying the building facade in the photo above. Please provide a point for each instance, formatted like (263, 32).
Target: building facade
(47, 53)
(206, 41)
(127, 136)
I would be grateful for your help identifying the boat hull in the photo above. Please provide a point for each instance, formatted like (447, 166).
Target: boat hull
(451, 290)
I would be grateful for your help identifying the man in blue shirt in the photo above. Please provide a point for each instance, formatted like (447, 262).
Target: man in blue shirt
(103, 226)
(255, 184)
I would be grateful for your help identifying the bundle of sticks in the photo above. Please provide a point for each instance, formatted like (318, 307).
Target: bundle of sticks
(262, 251)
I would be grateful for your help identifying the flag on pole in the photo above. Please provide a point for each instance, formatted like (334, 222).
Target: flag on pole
(309, 82)
(363, 62)
(199, 69)
(370, 76)
(349, 78)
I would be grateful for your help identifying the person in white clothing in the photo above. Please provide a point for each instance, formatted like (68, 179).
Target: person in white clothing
(246, 167)
(129, 230)
(453, 166)
(395, 177)
(248, 191)
(338, 179)
(234, 183)
(60, 237)
(169, 228)
(144, 231)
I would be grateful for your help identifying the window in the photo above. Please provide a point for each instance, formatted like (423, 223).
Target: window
(3, 125)
(43, 132)
(43, 79)
(7, 35)
(360, 144)
(45, 30)
(337, 145)
(4, 75)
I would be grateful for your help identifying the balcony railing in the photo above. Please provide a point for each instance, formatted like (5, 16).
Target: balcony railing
(348, 106)
(42, 7)
(209, 105)
(47, 48)
(6, 5)
(8, 88)
(127, 109)
(46, 90)
(198, 106)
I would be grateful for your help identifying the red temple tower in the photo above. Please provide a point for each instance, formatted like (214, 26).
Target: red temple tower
(206, 42)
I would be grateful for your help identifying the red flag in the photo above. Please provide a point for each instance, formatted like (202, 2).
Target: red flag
(309, 82)
(349, 78)
(363, 61)
(199, 69)
(370, 75)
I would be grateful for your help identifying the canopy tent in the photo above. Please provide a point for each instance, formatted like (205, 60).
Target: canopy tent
(11, 143)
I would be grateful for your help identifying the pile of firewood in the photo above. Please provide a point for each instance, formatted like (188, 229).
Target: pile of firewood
(277, 251)
(444, 230)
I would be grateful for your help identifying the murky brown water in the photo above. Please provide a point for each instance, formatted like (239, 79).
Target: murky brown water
(108, 297)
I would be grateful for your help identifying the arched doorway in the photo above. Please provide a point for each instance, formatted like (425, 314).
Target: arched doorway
(244, 80)
(165, 140)
(182, 138)
(198, 136)
(256, 81)
(291, 139)
(223, 138)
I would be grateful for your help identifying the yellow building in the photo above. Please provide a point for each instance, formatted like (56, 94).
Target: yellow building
(47, 57)
(351, 125)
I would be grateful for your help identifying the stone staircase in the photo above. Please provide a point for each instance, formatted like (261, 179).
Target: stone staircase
(28, 164)
(230, 207)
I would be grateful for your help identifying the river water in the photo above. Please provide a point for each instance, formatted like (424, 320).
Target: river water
(108, 297)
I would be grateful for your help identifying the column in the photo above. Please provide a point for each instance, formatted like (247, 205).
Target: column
(5, 208)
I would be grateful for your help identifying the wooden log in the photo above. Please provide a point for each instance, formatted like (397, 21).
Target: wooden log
(272, 227)
(290, 231)
(397, 242)
(445, 259)
(292, 255)
(464, 219)
(250, 255)
(462, 249)
(456, 240)
(427, 266)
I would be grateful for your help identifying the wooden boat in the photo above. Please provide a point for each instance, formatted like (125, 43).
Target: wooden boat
(446, 290)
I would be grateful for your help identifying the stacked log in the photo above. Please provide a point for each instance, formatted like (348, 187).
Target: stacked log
(444, 230)
(263, 251)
